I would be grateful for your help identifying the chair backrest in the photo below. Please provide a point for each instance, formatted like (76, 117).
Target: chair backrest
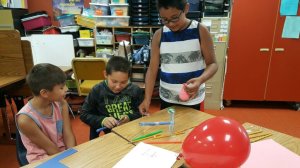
(88, 72)
(21, 150)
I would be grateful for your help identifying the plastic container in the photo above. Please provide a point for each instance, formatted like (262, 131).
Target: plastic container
(119, 9)
(34, 22)
(140, 19)
(139, 23)
(194, 5)
(104, 52)
(69, 29)
(122, 37)
(140, 1)
(141, 38)
(104, 39)
(119, 1)
(100, 9)
(66, 20)
(100, 1)
(86, 42)
(112, 20)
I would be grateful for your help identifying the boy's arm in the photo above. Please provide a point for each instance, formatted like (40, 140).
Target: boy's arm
(89, 114)
(31, 130)
(68, 135)
(151, 72)
(207, 48)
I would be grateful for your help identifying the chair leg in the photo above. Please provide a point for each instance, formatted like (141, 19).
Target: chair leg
(71, 111)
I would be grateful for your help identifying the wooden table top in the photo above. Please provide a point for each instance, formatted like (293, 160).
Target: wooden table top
(185, 118)
(8, 80)
(107, 150)
(290, 142)
(104, 151)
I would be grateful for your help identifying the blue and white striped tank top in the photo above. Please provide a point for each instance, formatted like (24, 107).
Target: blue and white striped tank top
(181, 60)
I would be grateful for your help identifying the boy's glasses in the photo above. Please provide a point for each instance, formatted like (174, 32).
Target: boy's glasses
(173, 20)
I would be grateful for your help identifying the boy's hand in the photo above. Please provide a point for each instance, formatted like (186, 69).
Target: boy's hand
(192, 87)
(124, 119)
(110, 122)
(144, 108)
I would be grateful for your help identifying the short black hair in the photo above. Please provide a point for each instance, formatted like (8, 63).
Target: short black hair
(178, 4)
(119, 64)
(44, 76)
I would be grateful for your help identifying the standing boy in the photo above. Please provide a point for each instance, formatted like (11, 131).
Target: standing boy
(114, 101)
(44, 122)
(184, 50)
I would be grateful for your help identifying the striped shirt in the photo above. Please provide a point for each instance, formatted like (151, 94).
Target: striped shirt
(181, 60)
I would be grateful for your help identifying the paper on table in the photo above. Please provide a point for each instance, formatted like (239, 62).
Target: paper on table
(147, 156)
(268, 153)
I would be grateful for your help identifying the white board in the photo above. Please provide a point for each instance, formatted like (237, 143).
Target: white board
(55, 49)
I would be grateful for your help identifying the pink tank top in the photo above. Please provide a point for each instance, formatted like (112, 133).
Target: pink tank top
(51, 126)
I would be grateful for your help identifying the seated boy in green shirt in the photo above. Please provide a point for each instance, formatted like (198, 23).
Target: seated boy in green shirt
(114, 101)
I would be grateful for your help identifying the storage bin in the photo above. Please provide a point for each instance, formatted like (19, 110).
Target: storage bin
(140, 19)
(118, 9)
(85, 33)
(52, 30)
(69, 29)
(122, 37)
(139, 23)
(35, 22)
(140, 1)
(100, 9)
(119, 1)
(104, 53)
(66, 20)
(141, 38)
(194, 5)
(104, 39)
(86, 42)
(111, 20)
(100, 1)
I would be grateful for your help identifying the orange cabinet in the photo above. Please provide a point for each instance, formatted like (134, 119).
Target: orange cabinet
(261, 65)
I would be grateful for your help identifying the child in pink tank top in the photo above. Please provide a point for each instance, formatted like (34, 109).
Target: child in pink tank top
(44, 123)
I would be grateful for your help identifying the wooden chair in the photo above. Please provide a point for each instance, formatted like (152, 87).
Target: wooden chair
(88, 72)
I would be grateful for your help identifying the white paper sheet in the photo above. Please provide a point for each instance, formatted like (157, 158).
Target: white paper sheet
(147, 156)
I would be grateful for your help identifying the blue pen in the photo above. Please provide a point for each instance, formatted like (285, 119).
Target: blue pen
(155, 123)
(101, 129)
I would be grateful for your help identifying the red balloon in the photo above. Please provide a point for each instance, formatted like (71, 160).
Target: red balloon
(216, 143)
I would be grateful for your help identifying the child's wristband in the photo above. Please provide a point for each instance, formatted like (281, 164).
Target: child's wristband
(103, 121)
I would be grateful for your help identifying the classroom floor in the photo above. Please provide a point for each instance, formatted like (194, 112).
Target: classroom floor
(278, 116)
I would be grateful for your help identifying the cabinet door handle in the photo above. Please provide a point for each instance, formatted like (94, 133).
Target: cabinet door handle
(279, 49)
(264, 49)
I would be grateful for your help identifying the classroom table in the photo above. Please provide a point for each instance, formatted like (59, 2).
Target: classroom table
(104, 151)
(107, 150)
(185, 119)
(290, 142)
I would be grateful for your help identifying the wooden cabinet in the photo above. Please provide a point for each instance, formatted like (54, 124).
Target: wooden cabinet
(218, 27)
(214, 86)
(261, 65)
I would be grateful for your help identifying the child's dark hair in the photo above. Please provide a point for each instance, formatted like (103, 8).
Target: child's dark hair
(44, 76)
(117, 63)
(178, 4)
